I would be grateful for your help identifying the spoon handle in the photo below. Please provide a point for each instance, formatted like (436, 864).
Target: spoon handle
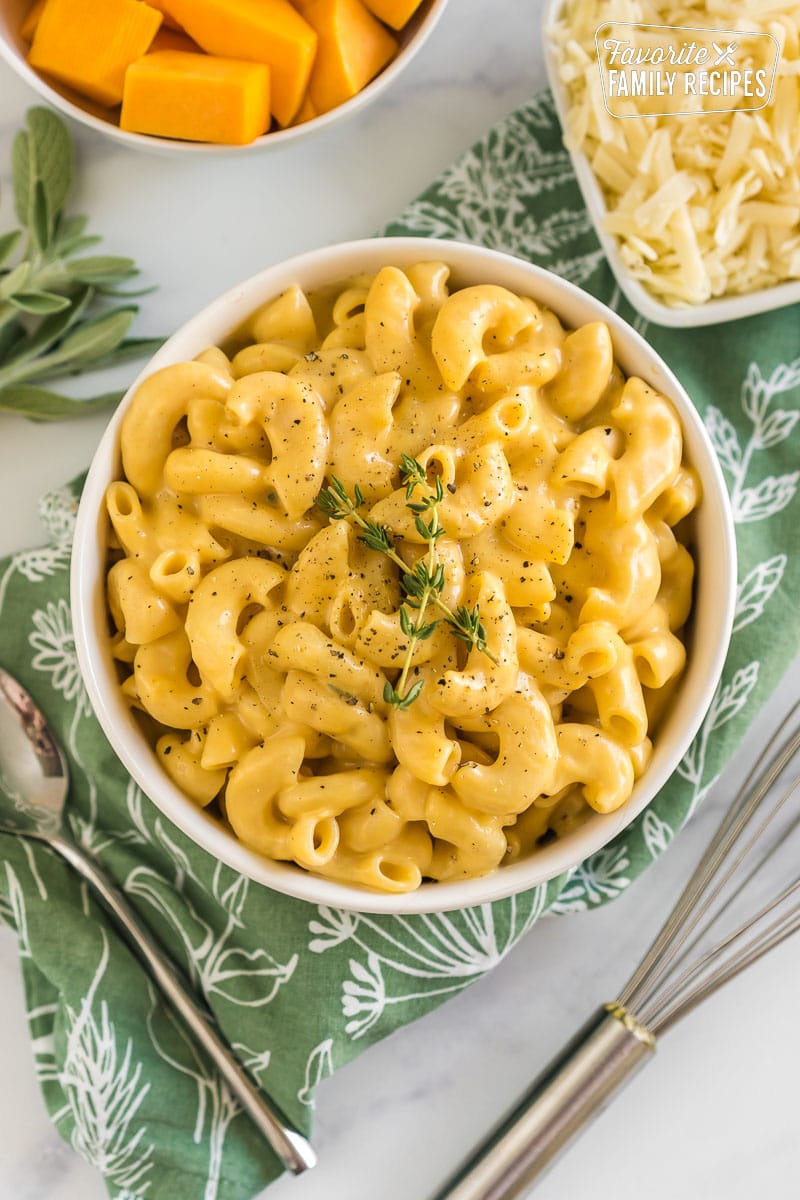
(292, 1147)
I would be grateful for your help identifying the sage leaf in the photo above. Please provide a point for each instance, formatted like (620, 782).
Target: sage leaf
(41, 405)
(15, 280)
(97, 337)
(21, 179)
(104, 289)
(40, 221)
(52, 156)
(42, 153)
(68, 228)
(75, 245)
(39, 303)
(55, 318)
(9, 243)
(11, 335)
(71, 237)
(49, 331)
(61, 360)
(101, 267)
(129, 350)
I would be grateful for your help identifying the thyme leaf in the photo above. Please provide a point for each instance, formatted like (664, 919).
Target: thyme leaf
(422, 584)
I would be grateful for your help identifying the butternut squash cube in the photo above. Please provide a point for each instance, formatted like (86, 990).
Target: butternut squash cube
(266, 31)
(306, 112)
(396, 13)
(31, 19)
(196, 97)
(172, 39)
(165, 8)
(89, 44)
(353, 47)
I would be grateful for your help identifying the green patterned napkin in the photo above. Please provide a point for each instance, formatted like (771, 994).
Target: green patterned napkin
(299, 990)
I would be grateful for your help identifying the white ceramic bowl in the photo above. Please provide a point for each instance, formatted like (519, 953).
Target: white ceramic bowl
(13, 49)
(711, 624)
(712, 312)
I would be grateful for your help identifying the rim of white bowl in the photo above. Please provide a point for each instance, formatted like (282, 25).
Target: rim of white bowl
(422, 26)
(710, 312)
(714, 594)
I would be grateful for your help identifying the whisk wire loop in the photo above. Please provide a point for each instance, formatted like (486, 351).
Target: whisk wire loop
(755, 950)
(664, 1010)
(654, 993)
(713, 916)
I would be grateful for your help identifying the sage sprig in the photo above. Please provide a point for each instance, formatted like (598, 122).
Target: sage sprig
(55, 318)
(422, 585)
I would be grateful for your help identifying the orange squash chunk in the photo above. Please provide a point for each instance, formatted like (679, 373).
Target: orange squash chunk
(165, 8)
(196, 97)
(172, 39)
(31, 19)
(89, 44)
(306, 112)
(267, 31)
(353, 48)
(393, 12)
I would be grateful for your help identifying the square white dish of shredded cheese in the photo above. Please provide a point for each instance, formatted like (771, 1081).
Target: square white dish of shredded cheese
(698, 213)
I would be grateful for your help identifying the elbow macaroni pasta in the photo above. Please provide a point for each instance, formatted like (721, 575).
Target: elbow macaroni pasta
(254, 639)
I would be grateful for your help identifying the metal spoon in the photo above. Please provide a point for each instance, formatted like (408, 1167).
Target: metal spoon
(34, 782)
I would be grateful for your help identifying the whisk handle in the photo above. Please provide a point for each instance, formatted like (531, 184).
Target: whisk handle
(572, 1090)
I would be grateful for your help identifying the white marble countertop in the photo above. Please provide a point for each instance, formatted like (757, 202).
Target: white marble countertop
(715, 1116)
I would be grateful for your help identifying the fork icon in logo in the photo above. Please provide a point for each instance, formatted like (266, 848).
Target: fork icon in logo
(725, 53)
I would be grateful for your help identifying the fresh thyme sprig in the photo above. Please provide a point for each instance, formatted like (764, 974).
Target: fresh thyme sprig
(423, 583)
(53, 322)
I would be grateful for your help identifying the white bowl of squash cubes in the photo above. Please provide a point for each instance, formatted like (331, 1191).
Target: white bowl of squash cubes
(211, 75)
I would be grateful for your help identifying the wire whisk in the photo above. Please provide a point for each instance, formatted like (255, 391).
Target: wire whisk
(742, 901)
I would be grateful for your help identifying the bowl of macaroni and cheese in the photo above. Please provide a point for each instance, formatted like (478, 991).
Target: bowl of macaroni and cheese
(403, 576)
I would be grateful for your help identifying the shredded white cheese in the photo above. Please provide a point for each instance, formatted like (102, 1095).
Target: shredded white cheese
(702, 205)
